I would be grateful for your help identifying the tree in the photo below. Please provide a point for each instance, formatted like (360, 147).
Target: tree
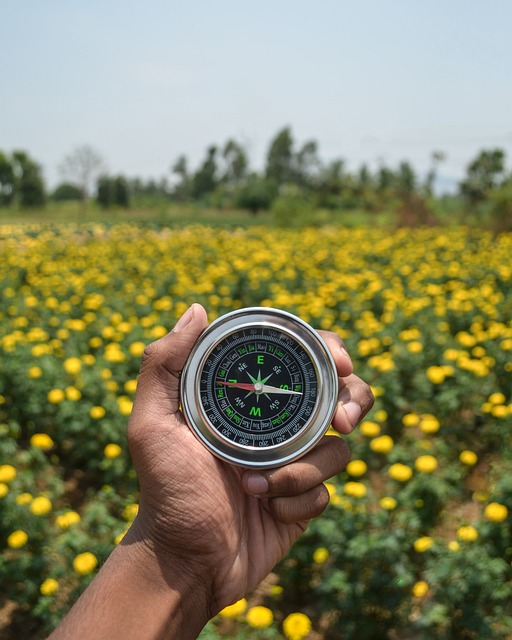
(405, 180)
(205, 179)
(7, 181)
(280, 159)
(236, 163)
(28, 180)
(182, 188)
(112, 192)
(82, 167)
(307, 165)
(484, 173)
(436, 158)
(257, 194)
(66, 192)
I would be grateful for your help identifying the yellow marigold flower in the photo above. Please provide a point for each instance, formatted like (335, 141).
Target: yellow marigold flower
(436, 375)
(355, 489)
(467, 533)
(356, 468)
(415, 346)
(41, 506)
(497, 398)
(496, 512)
(423, 544)
(42, 441)
(17, 539)
(388, 503)
(234, 610)
(73, 394)
(296, 626)
(95, 342)
(24, 498)
(124, 405)
(429, 424)
(381, 415)
(411, 420)
(72, 366)
(330, 488)
(65, 520)
(85, 563)
(158, 331)
(321, 555)
(55, 396)
(426, 464)
(130, 386)
(400, 472)
(34, 372)
(113, 353)
(382, 444)
(136, 349)
(4, 489)
(369, 429)
(259, 617)
(130, 511)
(420, 589)
(49, 587)
(112, 450)
(500, 411)
(119, 537)
(468, 457)
(97, 413)
(7, 473)
(453, 545)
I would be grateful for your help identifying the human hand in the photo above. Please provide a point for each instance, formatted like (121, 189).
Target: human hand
(223, 527)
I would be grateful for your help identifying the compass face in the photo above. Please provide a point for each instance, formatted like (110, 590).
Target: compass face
(259, 388)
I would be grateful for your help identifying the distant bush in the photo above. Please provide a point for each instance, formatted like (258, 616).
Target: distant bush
(66, 192)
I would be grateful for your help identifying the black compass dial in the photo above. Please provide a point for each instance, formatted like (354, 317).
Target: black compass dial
(258, 387)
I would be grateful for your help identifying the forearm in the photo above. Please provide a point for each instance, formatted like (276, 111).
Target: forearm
(138, 596)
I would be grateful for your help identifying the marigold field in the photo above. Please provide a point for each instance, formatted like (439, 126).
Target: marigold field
(417, 540)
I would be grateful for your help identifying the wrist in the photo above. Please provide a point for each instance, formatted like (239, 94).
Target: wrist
(176, 587)
(140, 593)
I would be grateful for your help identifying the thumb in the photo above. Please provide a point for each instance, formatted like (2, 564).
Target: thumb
(158, 384)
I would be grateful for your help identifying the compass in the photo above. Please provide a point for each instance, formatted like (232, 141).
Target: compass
(259, 388)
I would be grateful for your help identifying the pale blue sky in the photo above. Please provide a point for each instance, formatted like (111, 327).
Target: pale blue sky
(143, 82)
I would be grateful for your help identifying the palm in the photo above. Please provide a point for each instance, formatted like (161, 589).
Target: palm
(232, 535)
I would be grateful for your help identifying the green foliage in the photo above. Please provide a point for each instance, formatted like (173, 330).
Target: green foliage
(65, 192)
(483, 174)
(112, 192)
(501, 206)
(422, 549)
(256, 194)
(21, 181)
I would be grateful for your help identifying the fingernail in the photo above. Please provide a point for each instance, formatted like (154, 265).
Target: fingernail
(184, 320)
(256, 484)
(353, 411)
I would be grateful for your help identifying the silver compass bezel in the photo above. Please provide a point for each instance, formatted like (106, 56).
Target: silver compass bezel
(315, 426)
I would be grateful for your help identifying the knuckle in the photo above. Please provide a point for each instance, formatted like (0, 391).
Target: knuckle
(286, 481)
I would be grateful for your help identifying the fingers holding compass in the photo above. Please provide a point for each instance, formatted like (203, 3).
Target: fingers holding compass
(355, 399)
(338, 351)
(296, 492)
(158, 382)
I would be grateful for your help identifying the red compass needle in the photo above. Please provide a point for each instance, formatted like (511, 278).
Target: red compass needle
(245, 386)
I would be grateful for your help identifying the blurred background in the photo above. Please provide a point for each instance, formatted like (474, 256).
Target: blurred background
(184, 101)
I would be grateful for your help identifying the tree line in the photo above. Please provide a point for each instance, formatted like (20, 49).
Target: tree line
(291, 174)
